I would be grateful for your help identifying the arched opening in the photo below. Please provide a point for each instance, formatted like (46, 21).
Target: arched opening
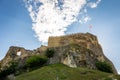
(18, 53)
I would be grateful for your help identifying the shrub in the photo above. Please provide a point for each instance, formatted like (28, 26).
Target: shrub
(108, 78)
(50, 52)
(35, 61)
(104, 66)
(11, 69)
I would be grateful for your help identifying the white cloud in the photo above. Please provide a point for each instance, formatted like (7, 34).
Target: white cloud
(52, 17)
(94, 4)
(84, 19)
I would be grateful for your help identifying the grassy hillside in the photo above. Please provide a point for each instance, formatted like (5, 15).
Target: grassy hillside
(62, 72)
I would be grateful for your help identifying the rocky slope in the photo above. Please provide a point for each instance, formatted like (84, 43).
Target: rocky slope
(82, 49)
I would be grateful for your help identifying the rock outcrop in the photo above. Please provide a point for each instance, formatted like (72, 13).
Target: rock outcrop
(15, 54)
(20, 55)
(76, 50)
(74, 55)
(86, 40)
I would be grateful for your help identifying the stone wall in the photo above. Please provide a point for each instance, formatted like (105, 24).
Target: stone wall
(86, 40)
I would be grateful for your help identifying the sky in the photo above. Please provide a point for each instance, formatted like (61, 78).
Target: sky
(29, 23)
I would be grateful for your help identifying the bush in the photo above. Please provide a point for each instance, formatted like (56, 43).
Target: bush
(50, 52)
(108, 79)
(11, 69)
(35, 61)
(104, 66)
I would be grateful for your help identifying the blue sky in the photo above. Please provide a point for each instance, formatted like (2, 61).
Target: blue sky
(16, 27)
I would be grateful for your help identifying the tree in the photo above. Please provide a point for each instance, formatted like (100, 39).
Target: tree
(104, 66)
(50, 52)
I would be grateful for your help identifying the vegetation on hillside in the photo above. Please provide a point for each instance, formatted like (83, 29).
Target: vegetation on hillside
(35, 61)
(104, 66)
(13, 67)
(50, 52)
(63, 72)
(31, 63)
(7, 70)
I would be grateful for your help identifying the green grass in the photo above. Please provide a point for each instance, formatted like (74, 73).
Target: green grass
(62, 72)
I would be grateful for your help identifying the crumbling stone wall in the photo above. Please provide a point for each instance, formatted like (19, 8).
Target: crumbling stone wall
(86, 40)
